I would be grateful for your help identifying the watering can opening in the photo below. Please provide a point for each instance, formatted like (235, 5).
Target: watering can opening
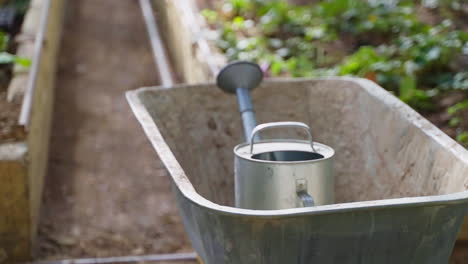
(287, 155)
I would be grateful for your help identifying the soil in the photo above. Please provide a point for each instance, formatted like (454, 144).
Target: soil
(460, 254)
(106, 192)
(9, 112)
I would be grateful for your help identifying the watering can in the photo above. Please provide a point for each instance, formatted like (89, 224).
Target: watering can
(280, 173)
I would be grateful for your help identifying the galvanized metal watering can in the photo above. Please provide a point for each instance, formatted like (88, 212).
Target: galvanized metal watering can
(280, 173)
(283, 173)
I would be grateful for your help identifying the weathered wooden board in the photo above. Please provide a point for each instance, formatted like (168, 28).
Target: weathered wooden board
(193, 58)
(14, 203)
(22, 177)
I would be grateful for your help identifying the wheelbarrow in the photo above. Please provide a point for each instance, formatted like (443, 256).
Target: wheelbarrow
(400, 183)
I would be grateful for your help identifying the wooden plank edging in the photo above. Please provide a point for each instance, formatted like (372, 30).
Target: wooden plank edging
(22, 177)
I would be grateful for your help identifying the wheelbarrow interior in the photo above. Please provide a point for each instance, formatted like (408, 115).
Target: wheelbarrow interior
(383, 148)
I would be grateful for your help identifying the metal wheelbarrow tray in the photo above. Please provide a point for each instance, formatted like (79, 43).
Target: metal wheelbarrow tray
(401, 183)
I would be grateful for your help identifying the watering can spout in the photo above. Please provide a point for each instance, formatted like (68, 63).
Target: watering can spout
(247, 111)
(240, 77)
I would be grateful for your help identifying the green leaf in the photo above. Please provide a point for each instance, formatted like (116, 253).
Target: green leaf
(7, 58)
(238, 22)
(276, 68)
(25, 62)
(4, 41)
(210, 15)
(463, 138)
(433, 54)
(419, 99)
(316, 32)
(463, 105)
(454, 121)
(407, 88)
(240, 4)
(360, 62)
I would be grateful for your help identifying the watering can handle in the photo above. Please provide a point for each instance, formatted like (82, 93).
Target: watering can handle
(263, 126)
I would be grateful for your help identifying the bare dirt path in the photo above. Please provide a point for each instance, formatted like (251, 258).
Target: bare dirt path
(107, 193)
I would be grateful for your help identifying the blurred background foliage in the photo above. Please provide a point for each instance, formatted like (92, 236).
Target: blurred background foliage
(417, 50)
(11, 15)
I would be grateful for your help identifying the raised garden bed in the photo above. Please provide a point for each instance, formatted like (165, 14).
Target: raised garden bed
(191, 39)
(26, 108)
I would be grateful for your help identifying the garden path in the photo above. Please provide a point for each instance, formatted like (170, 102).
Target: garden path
(107, 193)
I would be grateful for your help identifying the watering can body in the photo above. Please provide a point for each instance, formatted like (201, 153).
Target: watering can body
(283, 174)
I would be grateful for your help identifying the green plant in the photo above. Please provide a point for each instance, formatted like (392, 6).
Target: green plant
(358, 17)
(456, 113)
(463, 138)
(5, 57)
(381, 40)
(458, 107)
(408, 62)
(8, 58)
